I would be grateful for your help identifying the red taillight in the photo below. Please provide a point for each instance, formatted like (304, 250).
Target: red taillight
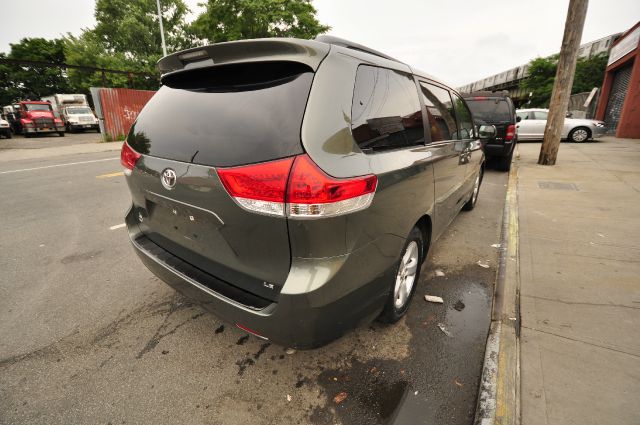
(128, 157)
(299, 184)
(264, 182)
(310, 185)
(511, 132)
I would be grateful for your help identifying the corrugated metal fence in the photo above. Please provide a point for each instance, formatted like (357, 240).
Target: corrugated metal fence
(117, 109)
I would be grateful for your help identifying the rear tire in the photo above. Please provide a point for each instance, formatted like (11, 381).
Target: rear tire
(406, 280)
(61, 133)
(471, 203)
(9, 134)
(579, 135)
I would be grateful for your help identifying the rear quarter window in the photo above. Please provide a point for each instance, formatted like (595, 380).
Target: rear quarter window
(386, 112)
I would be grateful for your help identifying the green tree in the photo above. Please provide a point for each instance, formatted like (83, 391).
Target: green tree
(589, 73)
(226, 20)
(19, 82)
(542, 74)
(127, 37)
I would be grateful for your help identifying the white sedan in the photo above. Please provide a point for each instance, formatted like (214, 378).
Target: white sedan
(531, 124)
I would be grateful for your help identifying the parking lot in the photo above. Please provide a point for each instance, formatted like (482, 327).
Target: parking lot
(90, 336)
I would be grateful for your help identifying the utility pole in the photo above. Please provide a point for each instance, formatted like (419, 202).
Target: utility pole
(164, 46)
(564, 81)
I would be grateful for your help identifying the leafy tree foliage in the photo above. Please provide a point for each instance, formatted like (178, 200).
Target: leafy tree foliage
(127, 37)
(542, 74)
(225, 20)
(19, 82)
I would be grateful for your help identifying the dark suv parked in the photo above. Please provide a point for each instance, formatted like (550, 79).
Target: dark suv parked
(290, 185)
(496, 108)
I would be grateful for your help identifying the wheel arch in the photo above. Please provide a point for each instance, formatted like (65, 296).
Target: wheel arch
(426, 228)
(589, 132)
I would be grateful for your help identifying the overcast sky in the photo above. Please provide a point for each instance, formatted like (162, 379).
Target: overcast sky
(457, 41)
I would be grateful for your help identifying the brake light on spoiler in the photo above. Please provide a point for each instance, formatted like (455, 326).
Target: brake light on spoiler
(296, 187)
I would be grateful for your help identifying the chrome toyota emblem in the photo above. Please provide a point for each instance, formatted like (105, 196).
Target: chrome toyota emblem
(168, 179)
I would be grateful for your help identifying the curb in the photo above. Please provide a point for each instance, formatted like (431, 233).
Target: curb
(499, 392)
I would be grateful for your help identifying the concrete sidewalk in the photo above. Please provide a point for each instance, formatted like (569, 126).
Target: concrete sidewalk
(579, 234)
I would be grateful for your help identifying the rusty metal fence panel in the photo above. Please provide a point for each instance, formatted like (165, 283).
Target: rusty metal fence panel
(117, 109)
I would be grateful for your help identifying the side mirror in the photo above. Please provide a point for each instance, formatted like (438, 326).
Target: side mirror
(518, 118)
(487, 132)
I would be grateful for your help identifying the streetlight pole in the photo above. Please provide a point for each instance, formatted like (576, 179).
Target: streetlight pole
(164, 46)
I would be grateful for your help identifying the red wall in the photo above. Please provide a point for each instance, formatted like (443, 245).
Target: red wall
(120, 108)
(629, 125)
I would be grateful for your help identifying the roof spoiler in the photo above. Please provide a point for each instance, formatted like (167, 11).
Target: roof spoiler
(308, 52)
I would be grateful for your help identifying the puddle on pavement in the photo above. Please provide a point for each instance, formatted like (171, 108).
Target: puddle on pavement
(437, 383)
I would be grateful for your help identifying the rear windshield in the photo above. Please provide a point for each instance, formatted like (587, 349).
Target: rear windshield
(226, 116)
(490, 110)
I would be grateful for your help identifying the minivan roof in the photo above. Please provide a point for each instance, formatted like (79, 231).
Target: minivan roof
(308, 52)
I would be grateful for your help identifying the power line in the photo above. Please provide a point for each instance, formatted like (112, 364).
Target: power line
(44, 64)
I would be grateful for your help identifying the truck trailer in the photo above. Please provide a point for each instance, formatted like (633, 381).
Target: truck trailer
(74, 111)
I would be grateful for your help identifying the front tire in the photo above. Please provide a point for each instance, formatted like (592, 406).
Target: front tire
(406, 280)
(61, 133)
(580, 135)
(471, 203)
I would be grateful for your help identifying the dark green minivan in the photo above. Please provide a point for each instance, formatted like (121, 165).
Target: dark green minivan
(293, 187)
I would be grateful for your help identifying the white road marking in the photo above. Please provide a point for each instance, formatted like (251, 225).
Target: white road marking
(117, 226)
(58, 165)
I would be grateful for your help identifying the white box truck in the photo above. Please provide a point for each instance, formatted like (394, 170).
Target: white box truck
(74, 111)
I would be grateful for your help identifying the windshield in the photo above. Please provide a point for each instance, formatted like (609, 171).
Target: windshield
(490, 110)
(37, 107)
(78, 111)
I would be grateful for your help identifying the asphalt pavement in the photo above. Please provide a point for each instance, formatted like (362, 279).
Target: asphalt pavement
(88, 335)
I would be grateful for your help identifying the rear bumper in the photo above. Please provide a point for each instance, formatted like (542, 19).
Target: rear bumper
(312, 308)
(498, 149)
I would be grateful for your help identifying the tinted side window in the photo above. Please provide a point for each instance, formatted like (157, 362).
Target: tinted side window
(442, 123)
(465, 122)
(386, 112)
(524, 115)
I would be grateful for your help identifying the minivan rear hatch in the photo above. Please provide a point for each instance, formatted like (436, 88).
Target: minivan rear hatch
(202, 120)
(492, 110)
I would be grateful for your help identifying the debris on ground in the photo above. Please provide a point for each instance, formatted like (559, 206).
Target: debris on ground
(459, 305)
(496, 245)
(483, 265)
(415, 393)
(290, 351)
(439, 273)
(444, 329)
(434, 299)
(458, 383)
(340, 397)
(430, 319)
(288, 397)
